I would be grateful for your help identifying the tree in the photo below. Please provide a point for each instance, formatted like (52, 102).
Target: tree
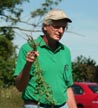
(8, 8)
(7, 61)
(9, 15)
(85, 69)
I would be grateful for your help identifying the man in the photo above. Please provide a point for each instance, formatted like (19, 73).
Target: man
(43, 72)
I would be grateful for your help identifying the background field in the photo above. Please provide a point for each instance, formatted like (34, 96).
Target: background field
(10, 98)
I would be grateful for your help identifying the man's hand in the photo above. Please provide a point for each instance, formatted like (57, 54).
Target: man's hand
(31, 56)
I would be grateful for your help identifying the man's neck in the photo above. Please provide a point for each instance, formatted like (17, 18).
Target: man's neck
(50, 42)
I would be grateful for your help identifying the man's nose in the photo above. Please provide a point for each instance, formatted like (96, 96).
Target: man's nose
(61, 29)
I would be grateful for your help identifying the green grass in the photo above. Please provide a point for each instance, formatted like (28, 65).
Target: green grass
(10, 98)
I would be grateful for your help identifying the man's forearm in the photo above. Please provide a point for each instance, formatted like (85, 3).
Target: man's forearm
(22, 79)
(71, 98)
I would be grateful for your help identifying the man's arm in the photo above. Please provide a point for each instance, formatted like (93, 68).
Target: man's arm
(22, 79)
(71, 98)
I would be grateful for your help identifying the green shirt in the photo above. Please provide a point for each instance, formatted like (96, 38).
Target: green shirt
(56, 70)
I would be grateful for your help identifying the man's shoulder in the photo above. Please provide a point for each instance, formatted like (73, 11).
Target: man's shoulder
(25, 47)
(29, 44)
(66, 48)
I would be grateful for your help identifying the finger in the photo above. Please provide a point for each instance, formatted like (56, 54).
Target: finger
(31, 53)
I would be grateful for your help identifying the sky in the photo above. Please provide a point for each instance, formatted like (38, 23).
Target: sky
(84, 15)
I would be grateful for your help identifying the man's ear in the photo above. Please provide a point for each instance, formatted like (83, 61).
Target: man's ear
(45, 27)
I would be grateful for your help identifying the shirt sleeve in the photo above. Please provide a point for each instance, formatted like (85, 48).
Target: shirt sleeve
(68, 70)
(21, 60)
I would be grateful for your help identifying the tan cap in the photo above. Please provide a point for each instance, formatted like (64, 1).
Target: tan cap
(55, 14)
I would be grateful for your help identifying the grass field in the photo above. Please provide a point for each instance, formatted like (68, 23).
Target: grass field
(10, 98)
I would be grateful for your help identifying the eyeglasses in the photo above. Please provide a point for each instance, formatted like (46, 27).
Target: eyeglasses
(57, 27)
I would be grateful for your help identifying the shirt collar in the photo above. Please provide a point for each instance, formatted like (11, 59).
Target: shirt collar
(41, 43)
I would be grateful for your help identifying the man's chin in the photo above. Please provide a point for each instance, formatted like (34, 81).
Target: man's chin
(58, 38)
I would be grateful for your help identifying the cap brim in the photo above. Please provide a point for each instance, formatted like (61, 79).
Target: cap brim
(69, 20)
(66, 19)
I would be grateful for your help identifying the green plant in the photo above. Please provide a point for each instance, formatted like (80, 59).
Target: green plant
(42, 87)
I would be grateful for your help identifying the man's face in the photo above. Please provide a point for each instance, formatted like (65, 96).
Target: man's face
(56, 29)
